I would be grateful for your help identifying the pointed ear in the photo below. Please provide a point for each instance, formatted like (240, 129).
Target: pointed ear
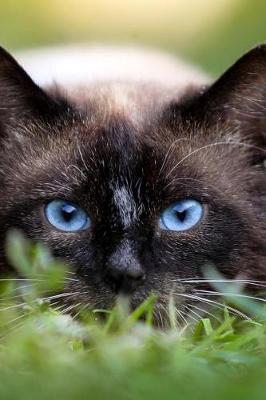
(20, 97)
(238, 98)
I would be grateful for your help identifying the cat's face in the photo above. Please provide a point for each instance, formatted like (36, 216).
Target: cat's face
(139, 208)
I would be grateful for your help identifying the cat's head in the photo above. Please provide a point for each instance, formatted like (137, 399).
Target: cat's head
(139, 205)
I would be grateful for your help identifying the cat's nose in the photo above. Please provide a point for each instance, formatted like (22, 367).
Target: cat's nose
(125, 280)
(124, 271)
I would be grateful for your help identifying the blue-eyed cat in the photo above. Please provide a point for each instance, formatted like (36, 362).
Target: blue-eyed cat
(139, 178)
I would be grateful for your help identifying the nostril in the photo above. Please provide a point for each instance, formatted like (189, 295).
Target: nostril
(134, 272)
(124, 280)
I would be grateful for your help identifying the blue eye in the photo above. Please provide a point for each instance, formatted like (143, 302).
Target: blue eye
(181, 215)
(66, 216)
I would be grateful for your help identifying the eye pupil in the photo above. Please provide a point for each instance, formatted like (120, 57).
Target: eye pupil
(181, 215)
(68, 212)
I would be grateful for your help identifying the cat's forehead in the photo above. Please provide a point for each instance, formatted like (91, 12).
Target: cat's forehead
(113, 139)
(134, 102)
(106, 147)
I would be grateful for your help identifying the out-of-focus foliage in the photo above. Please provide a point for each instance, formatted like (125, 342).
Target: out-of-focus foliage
(211, 33)
(47, 355)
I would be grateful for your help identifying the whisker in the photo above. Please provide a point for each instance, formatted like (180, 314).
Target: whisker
(21, 279)
(187, 324)
(212, 145)
(71, 279)
(11, 298)
(180, 179)
(60, 295)
(57, 296)
(2, 300)
(214, 293)
(233, 281)
(13, 306)
(205, 312)
(158, 316)
(166, 313)
(14, 319)
(72, 307)
(19, 287)
(59, 307)
(218, 304)
(12, 329)
(168, 152)
(82, 159)
(80, 311)
(195, 313)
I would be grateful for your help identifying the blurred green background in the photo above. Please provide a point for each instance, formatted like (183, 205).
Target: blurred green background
(211, 33)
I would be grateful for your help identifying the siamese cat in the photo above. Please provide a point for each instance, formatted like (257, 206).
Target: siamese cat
(136, 170)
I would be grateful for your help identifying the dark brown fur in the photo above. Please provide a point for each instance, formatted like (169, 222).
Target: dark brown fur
(209, 146)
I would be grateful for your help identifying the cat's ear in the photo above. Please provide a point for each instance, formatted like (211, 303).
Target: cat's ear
(20, 97)
(238, 98)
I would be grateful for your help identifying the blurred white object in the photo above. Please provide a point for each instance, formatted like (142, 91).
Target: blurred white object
(81, 64)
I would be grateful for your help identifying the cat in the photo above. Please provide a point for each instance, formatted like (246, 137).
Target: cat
(139, 184)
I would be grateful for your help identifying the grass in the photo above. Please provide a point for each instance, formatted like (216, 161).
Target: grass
(45, 354)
